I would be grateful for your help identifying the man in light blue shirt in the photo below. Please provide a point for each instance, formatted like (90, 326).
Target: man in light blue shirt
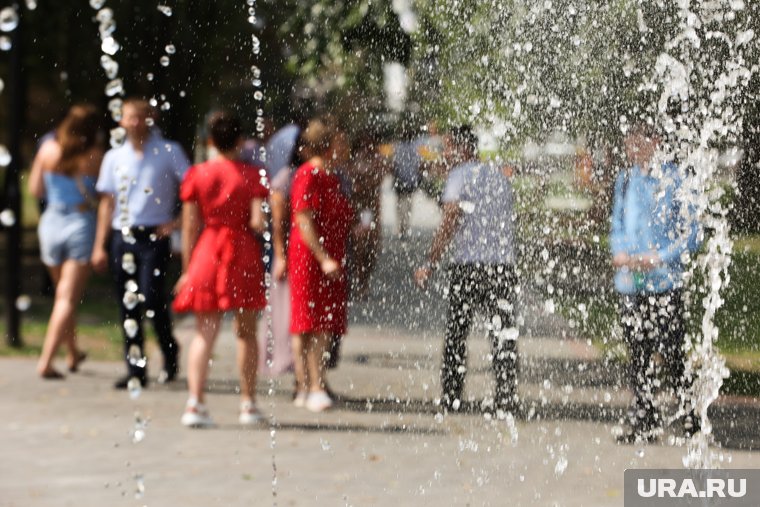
(478, 231)
(652, 237)
(138, 186)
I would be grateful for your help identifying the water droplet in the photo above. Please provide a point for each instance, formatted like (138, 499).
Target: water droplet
(110, 46)
(107, 28)
(130, 327)
(258, 95)
(2, 85)
(97, 4)
(7, 218)
(5, 156)
(104, 15)
(23, 303)
(31, 4)
(640, 453)
(166, 106)
(139, 486)
(118, 136)
(164, 61)
(141, 425)
(560, 466)
(165, 10)
(130, 300)
(114, 87)
(150, 314)
(170, 49)
(325, 444)
(134, 387)
(8, 19)
(5, 43)
(110, 66)
(156, 272)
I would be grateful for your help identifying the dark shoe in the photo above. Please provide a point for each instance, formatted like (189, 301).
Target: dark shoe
(122, 383)
(52, 374)
(691, 425)
(81, 356)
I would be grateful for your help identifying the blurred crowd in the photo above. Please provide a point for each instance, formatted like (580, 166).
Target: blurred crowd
(291, 217)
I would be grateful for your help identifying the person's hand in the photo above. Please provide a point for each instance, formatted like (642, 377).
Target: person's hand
(258, 225)
(421, 276)
(621, 260)
(279, 268)
(165, 230)
(330, 267)
(180, 283)
(99, 259)
(647, 261)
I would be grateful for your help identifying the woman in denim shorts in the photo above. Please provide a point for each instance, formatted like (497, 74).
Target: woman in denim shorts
(64, 172)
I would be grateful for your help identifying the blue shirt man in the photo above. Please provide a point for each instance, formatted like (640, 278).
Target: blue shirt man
(653, 233)
(138, 186)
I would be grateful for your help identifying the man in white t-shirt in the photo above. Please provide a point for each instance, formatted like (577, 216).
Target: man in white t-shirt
(478, 231)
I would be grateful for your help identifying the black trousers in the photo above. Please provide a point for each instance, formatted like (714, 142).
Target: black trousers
(653, 324)
(151, 259)
(489, 290)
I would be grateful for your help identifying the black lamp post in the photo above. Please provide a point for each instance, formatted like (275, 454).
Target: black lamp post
(12, 187)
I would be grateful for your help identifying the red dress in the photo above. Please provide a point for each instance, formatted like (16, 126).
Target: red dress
(318, 303)
(226, 269)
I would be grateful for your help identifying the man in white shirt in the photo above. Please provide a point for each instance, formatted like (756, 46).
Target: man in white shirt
(478, 231)
(138, 186)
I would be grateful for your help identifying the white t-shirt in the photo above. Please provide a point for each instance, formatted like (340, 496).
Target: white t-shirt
(486, 228)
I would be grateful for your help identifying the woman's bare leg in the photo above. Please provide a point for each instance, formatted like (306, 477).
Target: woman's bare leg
(247, 353)
(70, 279)
(300, 346)
(315, 360)
(207, 329)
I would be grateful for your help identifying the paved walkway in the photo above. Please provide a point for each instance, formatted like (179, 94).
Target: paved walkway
(74, 442)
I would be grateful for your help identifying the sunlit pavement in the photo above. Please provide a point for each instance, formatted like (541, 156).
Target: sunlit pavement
(385, 443)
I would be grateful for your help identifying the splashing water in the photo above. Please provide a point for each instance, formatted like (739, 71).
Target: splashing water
(691, 76)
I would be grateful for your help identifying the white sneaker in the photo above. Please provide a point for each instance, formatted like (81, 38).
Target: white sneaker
(300, 400)
(318, 401)
(196, 415)
(249, 414)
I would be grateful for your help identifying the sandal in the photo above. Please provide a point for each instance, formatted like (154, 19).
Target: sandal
(79, 359)
(52, 374)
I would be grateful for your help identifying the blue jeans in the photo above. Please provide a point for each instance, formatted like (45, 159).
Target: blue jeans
(151, 259)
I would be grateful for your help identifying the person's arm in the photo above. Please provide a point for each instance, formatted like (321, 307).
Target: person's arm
(192, 224)
(279, 205)
(258, 222)
(306, 225)
(103, 229)
(451, 216)
(180, 167)
(36, 180)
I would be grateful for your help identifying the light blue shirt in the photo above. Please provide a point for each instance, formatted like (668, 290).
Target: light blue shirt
(145, 187)
(280, 149)
(486, 228)
(648, 217)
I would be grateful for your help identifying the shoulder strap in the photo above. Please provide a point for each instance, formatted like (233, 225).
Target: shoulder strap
(90, 200)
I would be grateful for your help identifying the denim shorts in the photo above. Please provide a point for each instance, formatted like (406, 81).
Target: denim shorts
(66, 234)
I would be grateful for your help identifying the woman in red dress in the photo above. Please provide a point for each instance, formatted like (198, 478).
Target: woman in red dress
(321, 217)
(222, 263)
